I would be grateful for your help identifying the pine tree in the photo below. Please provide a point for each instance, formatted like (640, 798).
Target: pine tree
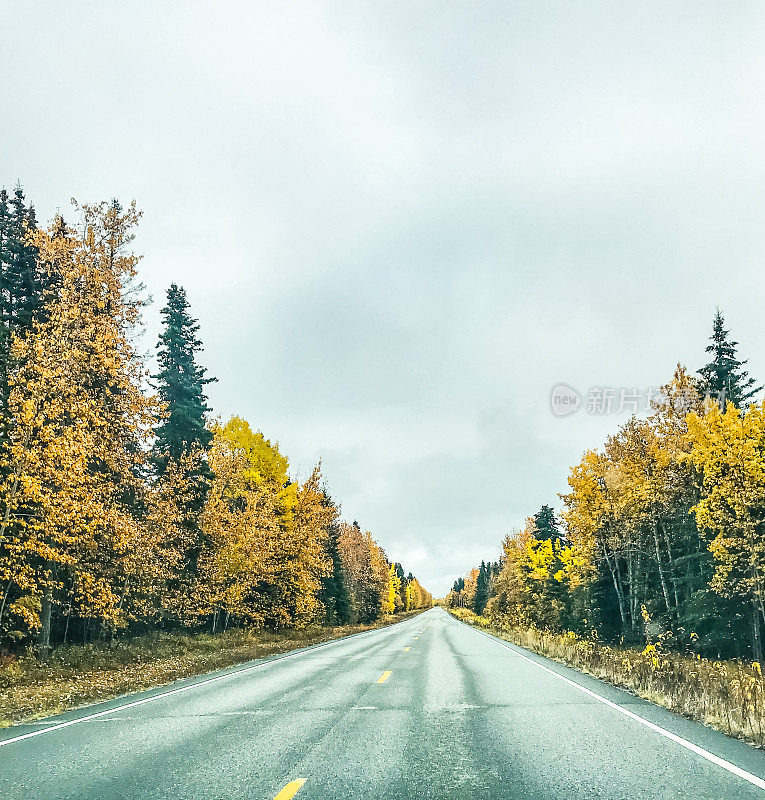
(724, 378)
(545, 525)
(180, 383)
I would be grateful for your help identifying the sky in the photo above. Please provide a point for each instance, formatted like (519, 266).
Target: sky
(402, 224)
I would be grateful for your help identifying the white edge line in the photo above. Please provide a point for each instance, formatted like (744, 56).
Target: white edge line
(694, 748)
(303, 651)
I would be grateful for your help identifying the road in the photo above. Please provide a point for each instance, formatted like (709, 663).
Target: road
(426, 708)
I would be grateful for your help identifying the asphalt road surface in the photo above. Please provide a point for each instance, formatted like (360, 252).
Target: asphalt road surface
(426, 708)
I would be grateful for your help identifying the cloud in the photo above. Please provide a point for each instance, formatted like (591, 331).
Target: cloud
(400, 224)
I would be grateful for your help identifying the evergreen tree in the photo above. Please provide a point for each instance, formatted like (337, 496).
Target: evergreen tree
(23, 284)
(402, 584)
(335, 597)
(180, 384)
(546, 526)
(724, 378)
(182, 439)
(481, 589)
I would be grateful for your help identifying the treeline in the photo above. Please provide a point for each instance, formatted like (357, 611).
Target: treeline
(123, 506)
(662, 534)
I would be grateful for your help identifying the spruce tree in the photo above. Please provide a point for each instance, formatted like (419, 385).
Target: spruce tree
(401, 575)
(724, 378)
(23, 283)
(481, 589)
(335, 594)
(180, 384)
(182, 439)
(545, 525)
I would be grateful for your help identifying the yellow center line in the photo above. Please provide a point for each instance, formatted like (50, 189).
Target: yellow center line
(384, 677)
(290, 790)
(407, 649)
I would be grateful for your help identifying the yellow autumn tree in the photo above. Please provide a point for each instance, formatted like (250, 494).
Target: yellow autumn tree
(78, 423)
(309, 560)
(728, 448)
(266, 537)
(394, 589)
(240, 528)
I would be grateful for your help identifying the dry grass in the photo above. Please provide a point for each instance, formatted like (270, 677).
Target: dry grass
(76, 675)
(727, 695)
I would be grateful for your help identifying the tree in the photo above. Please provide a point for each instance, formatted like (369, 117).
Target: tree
(724, 378)
(304, 552)
(510, 601)
(266, 464)
(368, 573)
(393, 601)
(481, 589)
(24, 285)
(545, 524)
(334, 595)
(183, 437)
(729, 450)
(180, 383)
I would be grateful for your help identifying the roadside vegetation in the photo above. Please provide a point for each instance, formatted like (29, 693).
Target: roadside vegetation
(727, 695)
(126, 508)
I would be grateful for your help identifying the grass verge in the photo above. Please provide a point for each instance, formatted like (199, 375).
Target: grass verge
(726, 695)
(77, 675)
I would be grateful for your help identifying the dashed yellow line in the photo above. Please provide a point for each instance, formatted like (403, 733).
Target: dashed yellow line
(407, 649)
(290, 790)
(384, 677)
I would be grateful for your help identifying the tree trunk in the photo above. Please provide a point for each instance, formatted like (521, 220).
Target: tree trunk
(664, 588)
(631, 583)
(672, 571)
(46, 614)
(756, 639)
(617, 589)
(5, 600)
(66, 627)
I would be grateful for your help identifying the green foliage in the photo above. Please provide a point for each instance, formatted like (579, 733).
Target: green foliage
(180, 383)
(545, 524)
(724, 379)
(481, 596)
(334, 595)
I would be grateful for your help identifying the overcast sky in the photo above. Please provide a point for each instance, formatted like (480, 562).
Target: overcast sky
(400, 224)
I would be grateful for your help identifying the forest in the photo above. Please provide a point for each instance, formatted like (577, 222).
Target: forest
(126, 505)
(660, 539)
